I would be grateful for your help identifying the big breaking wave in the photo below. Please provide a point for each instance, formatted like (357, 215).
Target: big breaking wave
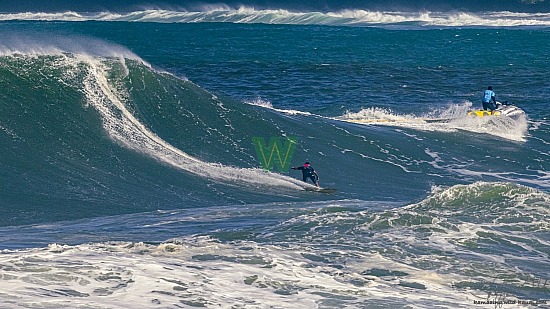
(99, 61)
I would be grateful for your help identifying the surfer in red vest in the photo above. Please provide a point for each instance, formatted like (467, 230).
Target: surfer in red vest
(308, 172)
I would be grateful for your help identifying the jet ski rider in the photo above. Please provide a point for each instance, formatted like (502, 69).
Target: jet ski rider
(488, 96)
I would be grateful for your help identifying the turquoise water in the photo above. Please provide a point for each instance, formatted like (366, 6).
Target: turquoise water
(127, 150)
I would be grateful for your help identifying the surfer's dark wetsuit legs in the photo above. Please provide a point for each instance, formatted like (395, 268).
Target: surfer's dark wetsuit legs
(312, 177)
(489, 105)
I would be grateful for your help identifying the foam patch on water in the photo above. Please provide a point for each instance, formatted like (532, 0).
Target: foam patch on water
(266, 104)
(377, 115)
(201, 272)
(461, 243)
(489, 232)
(449, 119)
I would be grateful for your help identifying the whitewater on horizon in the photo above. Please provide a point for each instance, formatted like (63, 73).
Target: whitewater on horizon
(349, 17)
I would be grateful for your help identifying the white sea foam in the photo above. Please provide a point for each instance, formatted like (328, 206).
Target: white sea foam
(245, 14)
(377, 115)
(266, 104)
(474, 225)
(422, 253)
(449, 119)
(203, 272)
(37, 44)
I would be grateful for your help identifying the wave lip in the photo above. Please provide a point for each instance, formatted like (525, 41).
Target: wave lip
(36, 44)
(280, 16)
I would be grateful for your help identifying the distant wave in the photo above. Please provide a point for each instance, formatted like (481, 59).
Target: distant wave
(337, 18)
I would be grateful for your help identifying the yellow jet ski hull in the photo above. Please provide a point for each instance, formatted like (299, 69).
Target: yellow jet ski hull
(483, 113)
(503, 109)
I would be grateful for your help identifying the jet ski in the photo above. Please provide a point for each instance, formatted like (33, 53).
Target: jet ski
(503, 109)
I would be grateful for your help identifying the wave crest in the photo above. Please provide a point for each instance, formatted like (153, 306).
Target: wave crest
(281, 16)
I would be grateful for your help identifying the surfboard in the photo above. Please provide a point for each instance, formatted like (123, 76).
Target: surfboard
(321, 190)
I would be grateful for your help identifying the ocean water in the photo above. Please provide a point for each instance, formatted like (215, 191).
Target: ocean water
(130, 179)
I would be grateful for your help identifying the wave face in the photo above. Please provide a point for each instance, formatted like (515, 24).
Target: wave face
(348, 17)
(75, 133)
(111, 135)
